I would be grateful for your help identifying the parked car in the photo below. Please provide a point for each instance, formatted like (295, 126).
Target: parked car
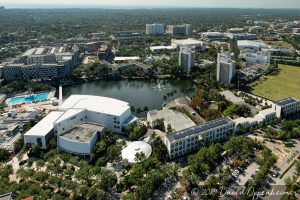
(275, 174)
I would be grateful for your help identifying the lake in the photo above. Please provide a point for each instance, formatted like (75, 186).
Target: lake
(138, 93)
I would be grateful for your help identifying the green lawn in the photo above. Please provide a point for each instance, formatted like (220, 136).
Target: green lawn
(282, 85)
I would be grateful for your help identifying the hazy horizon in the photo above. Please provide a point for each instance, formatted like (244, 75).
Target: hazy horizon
(267, 4)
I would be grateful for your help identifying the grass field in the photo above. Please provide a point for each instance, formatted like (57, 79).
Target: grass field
(284, 84)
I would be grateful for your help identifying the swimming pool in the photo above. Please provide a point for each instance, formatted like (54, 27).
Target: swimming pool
(28, 99)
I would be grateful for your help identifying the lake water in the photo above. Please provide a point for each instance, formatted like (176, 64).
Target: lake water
(138, 93)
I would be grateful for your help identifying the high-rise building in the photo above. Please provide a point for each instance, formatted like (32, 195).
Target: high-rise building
(184, 29)
(155, 29)
(225, 68)
(186, 58)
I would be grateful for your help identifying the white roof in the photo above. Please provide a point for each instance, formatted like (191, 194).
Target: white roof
(69, 113)
(161, 47)
(45, 125)
(96, 103)
(267, 111)
(130, 151)
(251, 43)
(29, 52)
(127, 58)
(176, 119)
(187, 42)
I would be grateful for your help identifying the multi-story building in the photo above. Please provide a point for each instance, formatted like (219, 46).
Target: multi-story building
(256, 29)
(41, 63)
(236, 30)
(155, 29)
(12, 71)
(184, 29)
(255, 57)
(262, 116)
(190, 42)
(286, 106)
(241, 36)
(213, 36)
(190, 139)
(172, 120)
(79, 121)
(186, 58)
(225, 68)
(250, 44)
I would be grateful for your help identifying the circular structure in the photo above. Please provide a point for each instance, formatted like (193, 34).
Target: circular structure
(133, 151)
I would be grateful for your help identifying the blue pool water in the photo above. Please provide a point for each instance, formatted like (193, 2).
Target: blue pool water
(29, 99)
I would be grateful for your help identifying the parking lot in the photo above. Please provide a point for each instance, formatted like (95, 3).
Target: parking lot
(247, 174)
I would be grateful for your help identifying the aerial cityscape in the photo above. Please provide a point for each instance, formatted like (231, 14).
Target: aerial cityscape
(140, 100)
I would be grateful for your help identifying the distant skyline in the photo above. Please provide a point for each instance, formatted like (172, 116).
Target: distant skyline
(150, 3)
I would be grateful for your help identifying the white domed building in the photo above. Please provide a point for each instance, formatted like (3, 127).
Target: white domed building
(130, 152)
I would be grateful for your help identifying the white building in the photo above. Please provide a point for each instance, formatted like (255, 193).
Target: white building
(186, 58)
(225, 68)
(79, 121)
(80, 139)
(256, 29)
(255, 57)
(155, 29)
(184, 29)
(173, 120)
(187, 140)
(286, 106)
(130, 152)
(42, 132)
(213, 36)
(251, 44)
(262, 116)
(190, 42)
(236, 30)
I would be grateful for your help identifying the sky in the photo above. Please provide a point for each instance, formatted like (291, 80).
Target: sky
(150, 3)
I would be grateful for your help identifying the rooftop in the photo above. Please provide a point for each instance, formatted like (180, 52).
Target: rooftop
(84, 132)
(267, 111)
(189, 41)
(69, 113)
(251, 43)
(45, 125)
(199, 128)
(100, 104)
(7, 196)
(176, 119)
(286, 101)
(130, 151)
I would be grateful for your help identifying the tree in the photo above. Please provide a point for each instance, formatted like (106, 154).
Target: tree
(139, 156)
(159, 148)
(40, 164)
(5, 171)
(211, 114)
(114, 151)
(237, 109)
(108, 180)
(4, 155)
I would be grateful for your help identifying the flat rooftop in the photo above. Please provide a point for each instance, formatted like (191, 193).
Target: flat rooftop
(189, 41)
(84, 132)
(176, 119)
(45, 125)
(286, 101)
(251, 43)
(199, 128)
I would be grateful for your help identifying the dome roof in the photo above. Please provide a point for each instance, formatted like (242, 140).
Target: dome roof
(130, 151)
